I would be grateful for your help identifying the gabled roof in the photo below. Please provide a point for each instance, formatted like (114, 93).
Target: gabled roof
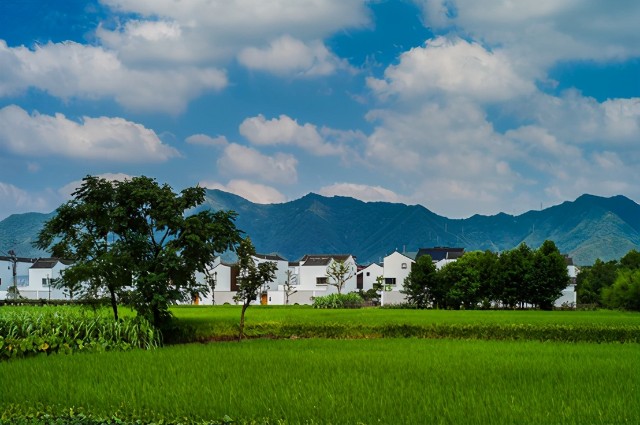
(441, 253)
(270, 257)
(49, 263)
(317, 261)
(323, 259)
(410, 255)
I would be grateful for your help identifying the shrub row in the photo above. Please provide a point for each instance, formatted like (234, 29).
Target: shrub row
(350, 300)
(486, 331)
(29, 331)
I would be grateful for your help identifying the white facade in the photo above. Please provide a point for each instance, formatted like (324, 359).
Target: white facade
(312, 274)
(369, 275)
(6, 274)
(41, 275)
(397, 267)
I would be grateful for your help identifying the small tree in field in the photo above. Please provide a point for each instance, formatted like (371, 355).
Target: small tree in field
(338, 272)
(251, 277)
(289, 289)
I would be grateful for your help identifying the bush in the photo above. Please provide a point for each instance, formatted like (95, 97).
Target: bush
(350, 300)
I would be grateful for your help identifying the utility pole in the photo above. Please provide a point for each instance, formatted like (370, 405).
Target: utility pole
(14, 261)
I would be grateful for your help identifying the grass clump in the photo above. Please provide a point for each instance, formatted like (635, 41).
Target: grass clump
(350, 300)
(29, 331)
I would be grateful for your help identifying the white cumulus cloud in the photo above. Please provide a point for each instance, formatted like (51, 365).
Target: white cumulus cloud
(287, 55)
(72, 70)
(452, 67)
(16, 200)
(102, 138)
(541, 32)
(67, 190)
(286, 131)
(238, 160)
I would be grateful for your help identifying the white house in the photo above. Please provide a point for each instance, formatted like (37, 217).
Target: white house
(396, 268)
(367, 276)
(313, 273)
(569, 296)
(224, 276)
(22, 266)
(42, 274)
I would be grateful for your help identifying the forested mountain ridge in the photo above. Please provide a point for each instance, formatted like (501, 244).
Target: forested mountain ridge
(588, 228)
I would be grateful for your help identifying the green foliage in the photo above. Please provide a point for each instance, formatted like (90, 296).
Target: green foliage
(350, 300)
(422, 285)
(47, 330)
(591, 281)
(625, 291)
(510, 285)
(631, 260)
(134, 233)
(548, 276)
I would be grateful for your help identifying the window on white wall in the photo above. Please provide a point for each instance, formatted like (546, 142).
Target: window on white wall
(321, 280)
(404, 265)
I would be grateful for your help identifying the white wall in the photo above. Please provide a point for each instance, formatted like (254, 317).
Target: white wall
(397, 266)
(6, 274)
(370, 274)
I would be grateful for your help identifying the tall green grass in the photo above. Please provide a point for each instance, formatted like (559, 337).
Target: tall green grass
(329, 381)
(26, 331)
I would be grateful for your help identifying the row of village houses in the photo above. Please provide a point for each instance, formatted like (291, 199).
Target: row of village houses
(307, 277)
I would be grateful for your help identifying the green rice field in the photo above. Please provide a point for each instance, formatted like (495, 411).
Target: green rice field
(342, 381)
(368, 366)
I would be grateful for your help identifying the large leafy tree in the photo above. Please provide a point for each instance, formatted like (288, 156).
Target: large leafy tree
(510, 285)
(548, 276)
(592, 280)
(137, 235)
(625, 291)
(251, 278)
(83, 230)
(469, 279)
(421, 286)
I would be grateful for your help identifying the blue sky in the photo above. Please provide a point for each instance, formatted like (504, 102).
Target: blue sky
(463, 106)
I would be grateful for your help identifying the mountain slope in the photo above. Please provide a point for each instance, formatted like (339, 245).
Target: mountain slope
(588, 228)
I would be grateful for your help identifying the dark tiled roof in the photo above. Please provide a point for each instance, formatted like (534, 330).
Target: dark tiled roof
(337, 257)
(317, 261)
(441, 253)
(49, 263)
(270, 257)
(294, 263)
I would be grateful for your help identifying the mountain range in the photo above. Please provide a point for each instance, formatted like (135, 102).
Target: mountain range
(588, 228)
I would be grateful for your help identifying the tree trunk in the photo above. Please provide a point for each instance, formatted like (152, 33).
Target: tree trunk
(244, 308)
(114, 304)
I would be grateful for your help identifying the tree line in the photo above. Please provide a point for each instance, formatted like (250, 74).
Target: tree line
(514, 278)
(611, 284)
